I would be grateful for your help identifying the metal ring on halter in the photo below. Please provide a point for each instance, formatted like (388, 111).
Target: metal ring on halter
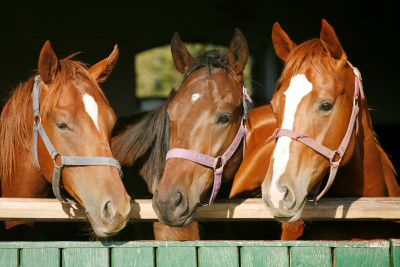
(219, 162)
(355, 100)
(338, 161)
(37, 120)
(56, 165)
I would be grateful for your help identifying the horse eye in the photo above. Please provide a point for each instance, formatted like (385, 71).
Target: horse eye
(223, 118)
(62, 125)
(326, 106)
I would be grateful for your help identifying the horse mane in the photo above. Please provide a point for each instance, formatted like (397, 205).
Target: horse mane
(210, 59)
(16, 117)
(313, 53)
(150, 136)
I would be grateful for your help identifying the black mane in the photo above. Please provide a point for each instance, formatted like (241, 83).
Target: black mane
(210, 59)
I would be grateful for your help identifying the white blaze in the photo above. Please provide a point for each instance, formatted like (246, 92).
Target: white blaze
(91, 108)
(298, 88)
(195, 97)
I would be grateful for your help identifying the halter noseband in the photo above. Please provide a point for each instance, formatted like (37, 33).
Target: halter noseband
(218, 163)
(38, 129)
(334, 156)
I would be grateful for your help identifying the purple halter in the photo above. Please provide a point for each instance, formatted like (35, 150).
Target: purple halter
(218, 163)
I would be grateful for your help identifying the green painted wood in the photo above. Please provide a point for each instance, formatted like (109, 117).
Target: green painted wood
(218, 256)
(310, 256)
(264, 256)
(75, 244)
(361, 257)
(85, 257)
(132, 257)
(9, 257)
(395, 252)
(176, 256)
(40, 257)
(395, 255)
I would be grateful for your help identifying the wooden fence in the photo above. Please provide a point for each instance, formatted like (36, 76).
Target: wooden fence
(201, 253)
(238, 209)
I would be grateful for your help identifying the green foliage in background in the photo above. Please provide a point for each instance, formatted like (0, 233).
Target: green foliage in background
(156, 74)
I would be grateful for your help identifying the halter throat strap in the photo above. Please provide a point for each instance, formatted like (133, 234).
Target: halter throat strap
(216, 163)
(38, 129)
(334, 156)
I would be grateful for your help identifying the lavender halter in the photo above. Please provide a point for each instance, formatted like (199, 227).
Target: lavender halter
(38, 129)
(218, 163)
(334, 156)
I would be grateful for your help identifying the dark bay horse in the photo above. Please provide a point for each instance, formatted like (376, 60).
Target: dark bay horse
(73, 121)
(203, 115)
(318, 96)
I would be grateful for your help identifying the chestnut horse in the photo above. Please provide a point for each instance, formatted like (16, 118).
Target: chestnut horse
(73, 122)
(252, 170)
(203, 115)
(319, 91)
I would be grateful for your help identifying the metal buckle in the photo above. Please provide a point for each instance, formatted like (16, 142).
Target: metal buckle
(37, 120)
(219, 162)
(355, 100)
(335, 162)
(56, 165)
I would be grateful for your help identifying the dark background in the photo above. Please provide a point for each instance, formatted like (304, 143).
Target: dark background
(368, 31)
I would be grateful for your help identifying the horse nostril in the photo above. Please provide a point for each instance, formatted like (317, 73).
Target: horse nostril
(108, 211)
(289, 199)
(286, 190)
(178, 199)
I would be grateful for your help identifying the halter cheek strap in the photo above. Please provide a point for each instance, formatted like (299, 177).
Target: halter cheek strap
(334, 156)
(218, 163)
(38, 129)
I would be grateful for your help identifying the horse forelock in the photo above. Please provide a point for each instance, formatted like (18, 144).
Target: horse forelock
(306, 55)
(212, 59)
(15, 129)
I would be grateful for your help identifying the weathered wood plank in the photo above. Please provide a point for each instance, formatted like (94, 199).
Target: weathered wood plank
(176, 257)
(344, 257)
(264, 256)
(9, 257)
(132, 257)
(254, 209)
(310, 256)
(40, 257)
(85, 257)
(139, 244)
(218, 256)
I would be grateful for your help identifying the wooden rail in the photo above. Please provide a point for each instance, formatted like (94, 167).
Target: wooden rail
(27, 209)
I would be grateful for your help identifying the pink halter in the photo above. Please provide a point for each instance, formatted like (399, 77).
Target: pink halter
(323, 150)
(218, 163)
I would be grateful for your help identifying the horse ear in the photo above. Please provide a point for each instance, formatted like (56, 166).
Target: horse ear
(181, 56)
(282, 43)
(48, 63)
(101, 70)
(238, 52)
(331, 43)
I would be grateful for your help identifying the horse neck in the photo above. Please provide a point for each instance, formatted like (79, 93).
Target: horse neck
(366, 173)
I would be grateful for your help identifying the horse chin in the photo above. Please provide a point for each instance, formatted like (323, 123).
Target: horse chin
(181, 222)
(293, 218)
(103, 231)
